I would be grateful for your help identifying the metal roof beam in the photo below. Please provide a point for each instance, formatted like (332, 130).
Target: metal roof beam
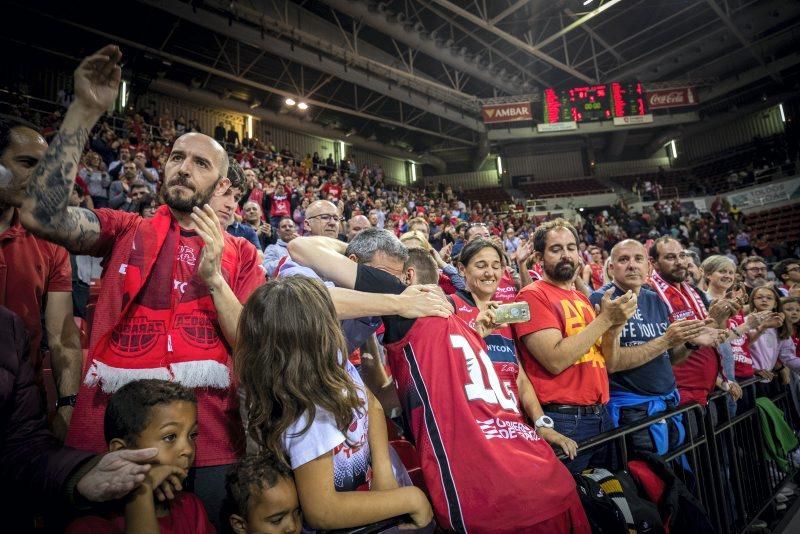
(522, 45)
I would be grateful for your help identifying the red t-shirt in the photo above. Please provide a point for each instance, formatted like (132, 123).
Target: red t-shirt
(30, 268)
(221, 439)
(186, 516)
(334, 190)
(506, 289)
(445, 283)
(583, 383)
(741, 350)
(280, 206)
(486, 470)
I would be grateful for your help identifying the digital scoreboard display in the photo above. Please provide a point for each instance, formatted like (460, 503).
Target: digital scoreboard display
(580, 104)
(628, 99)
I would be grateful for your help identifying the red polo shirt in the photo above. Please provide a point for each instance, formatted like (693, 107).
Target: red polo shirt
(29, 269)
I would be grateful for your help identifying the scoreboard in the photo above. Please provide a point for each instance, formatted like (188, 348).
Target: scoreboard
(628, 99)
(594, 102)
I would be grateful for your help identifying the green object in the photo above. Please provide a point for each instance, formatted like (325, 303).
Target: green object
(778, 437)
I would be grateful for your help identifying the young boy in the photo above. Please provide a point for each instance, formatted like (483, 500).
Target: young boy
(160, 414)
(262, 498)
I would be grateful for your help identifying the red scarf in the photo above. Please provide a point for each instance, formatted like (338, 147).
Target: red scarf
(173, 334)
(682, 300)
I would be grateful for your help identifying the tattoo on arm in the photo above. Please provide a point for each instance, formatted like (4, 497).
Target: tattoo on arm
(49, 190)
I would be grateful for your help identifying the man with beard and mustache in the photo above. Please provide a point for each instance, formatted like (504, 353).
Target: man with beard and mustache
(173, 285)
(565, 347)
(696, 375)
(754, 272)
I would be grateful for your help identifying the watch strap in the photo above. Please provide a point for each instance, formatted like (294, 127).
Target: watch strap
(69, 400)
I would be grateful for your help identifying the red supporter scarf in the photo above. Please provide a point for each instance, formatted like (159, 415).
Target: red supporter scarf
(173, 334)
(682, 300)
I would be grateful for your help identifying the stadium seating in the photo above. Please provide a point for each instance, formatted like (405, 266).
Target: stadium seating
(779, 223)
(567, 188)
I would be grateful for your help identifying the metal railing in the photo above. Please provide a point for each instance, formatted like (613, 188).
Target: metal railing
(727, 470)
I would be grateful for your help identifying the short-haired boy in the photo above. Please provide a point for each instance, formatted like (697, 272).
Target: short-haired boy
(262, 497)
(160, 414)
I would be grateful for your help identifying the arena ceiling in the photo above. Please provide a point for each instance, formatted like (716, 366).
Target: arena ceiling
(411, 74)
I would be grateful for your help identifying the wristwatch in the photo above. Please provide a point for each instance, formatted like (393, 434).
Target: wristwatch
(69, 400)
(544, 422)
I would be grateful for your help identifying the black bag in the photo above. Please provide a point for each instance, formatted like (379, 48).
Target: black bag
(613, 504)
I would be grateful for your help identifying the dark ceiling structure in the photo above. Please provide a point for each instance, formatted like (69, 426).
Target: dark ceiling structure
(411, 74)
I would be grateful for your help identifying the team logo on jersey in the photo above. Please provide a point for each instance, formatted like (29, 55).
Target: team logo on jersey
(465, 308)
(197, 329)
(136, 335)
(497, 428)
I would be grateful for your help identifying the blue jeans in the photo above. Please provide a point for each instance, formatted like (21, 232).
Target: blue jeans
(581, 427)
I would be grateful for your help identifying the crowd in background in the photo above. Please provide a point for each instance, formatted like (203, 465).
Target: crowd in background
(206, 345)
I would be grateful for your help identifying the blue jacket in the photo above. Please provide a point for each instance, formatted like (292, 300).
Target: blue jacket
(655, 404)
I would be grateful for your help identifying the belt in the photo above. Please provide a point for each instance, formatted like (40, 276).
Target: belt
(592, 409)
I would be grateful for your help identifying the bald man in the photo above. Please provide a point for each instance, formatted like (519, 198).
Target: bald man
(173, 284)
(322, 219)
(356, 225)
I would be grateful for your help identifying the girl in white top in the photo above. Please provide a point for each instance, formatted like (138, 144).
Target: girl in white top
(307, 404)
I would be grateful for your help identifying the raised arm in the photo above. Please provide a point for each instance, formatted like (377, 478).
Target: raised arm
(44, 212)
(326, 257)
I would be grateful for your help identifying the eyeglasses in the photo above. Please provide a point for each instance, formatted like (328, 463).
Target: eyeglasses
(793, 269)
(756, 269)
(327, 218)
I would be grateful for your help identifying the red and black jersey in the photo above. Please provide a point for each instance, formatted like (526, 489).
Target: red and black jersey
(486, 470)
(499, 344)
(506, 289)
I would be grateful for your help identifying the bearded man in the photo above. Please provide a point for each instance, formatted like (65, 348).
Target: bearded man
(565, 348)
(172, 283)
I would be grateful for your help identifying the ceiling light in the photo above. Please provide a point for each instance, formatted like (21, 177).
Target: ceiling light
(255, 104)
(587, 2)
(290, 102)
(302, 105)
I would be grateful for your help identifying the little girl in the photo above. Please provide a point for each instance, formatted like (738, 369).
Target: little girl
(307, 405)
(774, 342)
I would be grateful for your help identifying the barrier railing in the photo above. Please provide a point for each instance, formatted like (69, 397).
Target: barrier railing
(727, 470)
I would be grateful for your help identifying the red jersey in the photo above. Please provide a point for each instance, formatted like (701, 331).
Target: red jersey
(280, 206)
(334, 190)
(499, 344)
(446, 284)
(597, 275)
(583, 383)
(506, 289)
(486, 470)
(741, 350)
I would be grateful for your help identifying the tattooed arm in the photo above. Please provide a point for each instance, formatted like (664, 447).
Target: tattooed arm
(45, 211)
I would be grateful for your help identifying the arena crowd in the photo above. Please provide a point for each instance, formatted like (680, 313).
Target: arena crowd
(239, 377)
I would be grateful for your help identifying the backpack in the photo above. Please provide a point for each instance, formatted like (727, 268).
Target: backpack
(613, 504)
(681, 511)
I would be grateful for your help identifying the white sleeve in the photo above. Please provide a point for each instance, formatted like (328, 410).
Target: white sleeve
(322, 436)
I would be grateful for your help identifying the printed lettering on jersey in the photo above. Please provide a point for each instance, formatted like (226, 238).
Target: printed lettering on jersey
(497, 428)
(478, 366)
(575, 320)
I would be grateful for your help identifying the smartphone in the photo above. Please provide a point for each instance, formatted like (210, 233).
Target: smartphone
(517, 312)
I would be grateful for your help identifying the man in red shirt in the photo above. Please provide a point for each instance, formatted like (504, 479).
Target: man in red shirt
(173, 284)
(35, 276)
(593, 271)
(696, 375)
(564, 347)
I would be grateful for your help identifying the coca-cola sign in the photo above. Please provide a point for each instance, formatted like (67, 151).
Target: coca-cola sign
(672, 98)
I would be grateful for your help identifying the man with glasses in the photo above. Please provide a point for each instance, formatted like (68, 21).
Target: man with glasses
(754, 272)
(787, 275)
(322, 219)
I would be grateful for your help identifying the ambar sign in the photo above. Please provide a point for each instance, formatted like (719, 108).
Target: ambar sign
(516, 111)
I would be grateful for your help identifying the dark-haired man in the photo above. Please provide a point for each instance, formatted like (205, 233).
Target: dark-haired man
(697, 374)
(172, 284)
(35, 275)
(565, 347)
(787, 275)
